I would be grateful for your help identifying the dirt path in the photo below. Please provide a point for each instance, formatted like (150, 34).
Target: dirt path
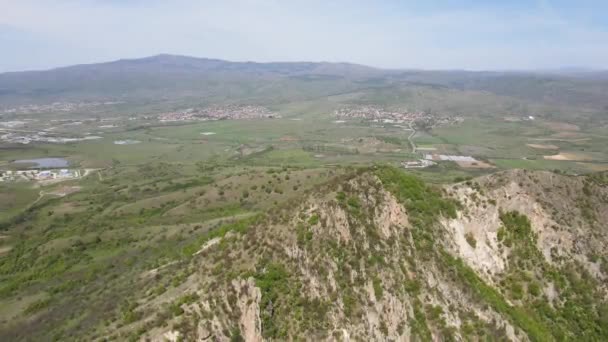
(410, 140)
(40, 195)
(89, 171)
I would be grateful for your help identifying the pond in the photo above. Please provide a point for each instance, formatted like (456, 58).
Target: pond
(44, 162)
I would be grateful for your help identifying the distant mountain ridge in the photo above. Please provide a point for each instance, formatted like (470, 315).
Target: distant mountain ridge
(170, 77)
(167, 62)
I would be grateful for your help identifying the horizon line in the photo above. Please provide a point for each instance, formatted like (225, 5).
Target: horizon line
(559, 70)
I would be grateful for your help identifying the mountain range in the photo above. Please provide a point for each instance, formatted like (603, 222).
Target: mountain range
(170, 77)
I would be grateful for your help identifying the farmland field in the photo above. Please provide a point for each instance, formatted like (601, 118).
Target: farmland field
(318, 141)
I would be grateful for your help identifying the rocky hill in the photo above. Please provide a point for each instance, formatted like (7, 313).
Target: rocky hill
(377, 254)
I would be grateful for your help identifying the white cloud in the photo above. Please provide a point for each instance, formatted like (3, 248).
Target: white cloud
(70, 31)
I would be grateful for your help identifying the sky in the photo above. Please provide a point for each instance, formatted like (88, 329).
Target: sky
(430, 34)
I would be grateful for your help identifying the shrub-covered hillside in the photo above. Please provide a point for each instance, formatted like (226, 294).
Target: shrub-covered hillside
(365, 254)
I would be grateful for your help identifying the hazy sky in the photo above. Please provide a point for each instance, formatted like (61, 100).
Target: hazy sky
(450, 34)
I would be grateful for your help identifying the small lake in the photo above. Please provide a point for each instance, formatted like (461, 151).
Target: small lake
(44, 162)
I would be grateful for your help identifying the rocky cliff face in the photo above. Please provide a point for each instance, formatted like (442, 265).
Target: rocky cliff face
(567, 215)
(379, 255)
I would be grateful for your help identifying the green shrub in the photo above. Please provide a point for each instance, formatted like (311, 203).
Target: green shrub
(378, 290)
(424, 204)
(534, 289)
(353, 202)
(471, 239)
(37, 306)
(340, 196)
(313, 220)
(535, 330)
(273, 281)
(235, 335)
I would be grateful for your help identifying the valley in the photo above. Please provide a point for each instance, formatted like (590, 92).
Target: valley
(319, 201)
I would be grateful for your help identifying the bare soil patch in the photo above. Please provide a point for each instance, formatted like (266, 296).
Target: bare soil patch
(568, 156)
(561, 139)
(595, 167)
(473, 150)
(289, 138)
(64, 190)
(543, 147)
(5, 249)
(561, 126)
(568, 135)
(475, 165)
(369, 145)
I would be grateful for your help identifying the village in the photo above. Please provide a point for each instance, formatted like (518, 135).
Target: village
(39, 175)
(218, 113)
(29, 137)
(64, 107)
(27, 131)
(399, 116)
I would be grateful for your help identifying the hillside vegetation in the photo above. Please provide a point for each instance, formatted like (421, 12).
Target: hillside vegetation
(369, 253)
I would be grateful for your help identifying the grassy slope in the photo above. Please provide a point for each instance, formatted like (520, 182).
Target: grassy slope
(70, 255)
